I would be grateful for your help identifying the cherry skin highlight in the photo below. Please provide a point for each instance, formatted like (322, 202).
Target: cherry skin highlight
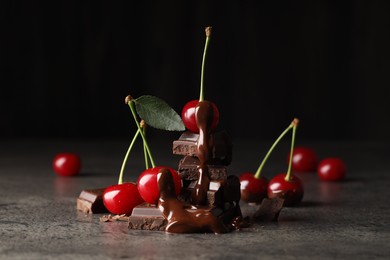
(304, 159)
(188, 116)
(253, 190)
(291, 191)
(332, 169)
(66, 164)
(121, 198)
(148, 186)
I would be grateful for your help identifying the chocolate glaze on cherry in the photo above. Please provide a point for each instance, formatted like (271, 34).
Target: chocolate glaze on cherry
(189, 119)
(204, 114)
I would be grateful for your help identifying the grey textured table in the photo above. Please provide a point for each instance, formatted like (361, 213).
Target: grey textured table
(39, 220)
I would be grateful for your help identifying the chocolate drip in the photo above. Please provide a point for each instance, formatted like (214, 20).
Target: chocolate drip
(181, 220)
(204, 115)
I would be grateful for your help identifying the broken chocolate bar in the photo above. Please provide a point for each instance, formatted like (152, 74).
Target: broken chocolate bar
(147, 217)
(91, 201)
(219, 193)
(269, 209)
(188, 169)
(222, 146)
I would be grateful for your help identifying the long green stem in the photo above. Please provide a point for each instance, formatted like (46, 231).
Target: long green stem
(120, 181)
(132, 108)
(145, 151)
(258, 172)
(288, 174)
(208, 36)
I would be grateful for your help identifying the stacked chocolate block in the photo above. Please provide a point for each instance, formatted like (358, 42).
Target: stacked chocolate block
(221, 189)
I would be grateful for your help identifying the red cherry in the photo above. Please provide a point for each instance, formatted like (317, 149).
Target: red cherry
(66, 164)
(148, 186)
(188, 116)
(121, 198)
(253, 189)
(332, 169)
(304, 159)
(291, 191)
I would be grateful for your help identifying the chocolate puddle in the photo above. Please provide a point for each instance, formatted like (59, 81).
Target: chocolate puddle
(180, 220)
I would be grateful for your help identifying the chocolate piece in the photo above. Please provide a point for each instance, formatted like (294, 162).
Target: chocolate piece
(219, 191)
(221, 148)
(147, 217)
(188, 169)
(223, 191)
(269, 209)
(91, 201)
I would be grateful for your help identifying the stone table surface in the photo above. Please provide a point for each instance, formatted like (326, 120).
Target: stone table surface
(39, 219)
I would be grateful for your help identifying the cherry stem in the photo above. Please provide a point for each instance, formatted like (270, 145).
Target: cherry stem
(132, 108)
(208, 36)
(145, 151)
(295, 125)
(120, 181)
(258, 172)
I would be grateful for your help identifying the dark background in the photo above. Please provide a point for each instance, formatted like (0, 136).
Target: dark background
(65, 67)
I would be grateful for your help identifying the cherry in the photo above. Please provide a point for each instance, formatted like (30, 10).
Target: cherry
(290, 190)
(122, 198)
(253, 186)
(287, 186)
(66, 164)
(188, 116)
(148, 185)
(253, 189)
(188, 111)
(304, 159)
(332, 169)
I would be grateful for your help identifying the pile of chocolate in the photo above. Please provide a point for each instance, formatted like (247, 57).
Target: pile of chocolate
(209, 201)
(210, 197)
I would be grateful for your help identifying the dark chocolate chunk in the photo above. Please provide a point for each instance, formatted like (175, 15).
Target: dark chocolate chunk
(269, 209)
(222, 146)
(91, 201)
(219, 191)
(224, 191)
(147, 217)
(188, 169)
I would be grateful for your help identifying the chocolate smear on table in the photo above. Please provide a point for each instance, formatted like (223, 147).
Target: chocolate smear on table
(181, 220)
(204, 115)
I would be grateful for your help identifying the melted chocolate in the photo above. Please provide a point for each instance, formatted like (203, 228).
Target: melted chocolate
(204, 115)
(181, 220)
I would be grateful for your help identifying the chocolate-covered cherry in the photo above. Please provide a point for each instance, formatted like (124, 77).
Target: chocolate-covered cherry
(148, 185)
(122, 198)
(188, 116)
(332, 169)
(304, 159)
(66, 164)
(188, 111)
(290, 190)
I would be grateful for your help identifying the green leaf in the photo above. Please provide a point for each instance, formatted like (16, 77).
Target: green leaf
(158, 114)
